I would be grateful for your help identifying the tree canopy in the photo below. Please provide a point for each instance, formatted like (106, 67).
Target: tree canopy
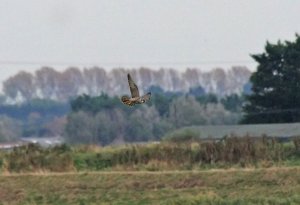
(275, 93)
(104, 119)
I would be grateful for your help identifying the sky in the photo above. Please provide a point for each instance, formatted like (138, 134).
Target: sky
(134, 33)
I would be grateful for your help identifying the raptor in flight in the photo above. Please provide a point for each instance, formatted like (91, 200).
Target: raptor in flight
(135, 95)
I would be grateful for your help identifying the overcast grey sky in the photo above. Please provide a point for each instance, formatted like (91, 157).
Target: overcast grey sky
(134, 33)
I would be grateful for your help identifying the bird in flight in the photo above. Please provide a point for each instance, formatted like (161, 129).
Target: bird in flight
(135, 95)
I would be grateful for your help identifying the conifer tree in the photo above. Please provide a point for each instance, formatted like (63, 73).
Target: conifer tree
(275, 94)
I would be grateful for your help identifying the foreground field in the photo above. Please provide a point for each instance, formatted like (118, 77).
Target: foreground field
(233, 186)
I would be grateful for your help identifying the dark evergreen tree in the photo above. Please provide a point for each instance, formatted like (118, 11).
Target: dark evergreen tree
(247, 88)
(275, 92)
(162, 103)
(197, 91)
(94, 105)
(233, 102)
(207, 98)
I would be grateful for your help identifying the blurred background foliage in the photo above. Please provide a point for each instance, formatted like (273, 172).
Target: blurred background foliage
(104, 119)
(52, 103)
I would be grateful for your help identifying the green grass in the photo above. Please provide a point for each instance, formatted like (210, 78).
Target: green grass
(238, 186)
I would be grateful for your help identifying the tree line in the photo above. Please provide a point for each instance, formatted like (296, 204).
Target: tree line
(48, 83)
(104, 119)
(35, 118)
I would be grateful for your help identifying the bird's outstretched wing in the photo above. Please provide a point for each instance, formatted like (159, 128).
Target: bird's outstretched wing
(133, 87)
(146, 97)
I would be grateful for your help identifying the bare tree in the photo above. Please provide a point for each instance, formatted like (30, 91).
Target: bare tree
(81, 128)
(216, 114)
(141, 124)
(110, 126)
(70, 82)
(56, 126)
(10, 129)
(47, 82)
(22, 84)
(95, 80)
(185, 111)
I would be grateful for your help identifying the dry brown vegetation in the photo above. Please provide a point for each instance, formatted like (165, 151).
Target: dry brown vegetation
(166, 173)
(190, 154)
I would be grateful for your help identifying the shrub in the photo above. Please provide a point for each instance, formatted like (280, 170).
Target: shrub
(182, 135)
(33, 157)
(296, 142)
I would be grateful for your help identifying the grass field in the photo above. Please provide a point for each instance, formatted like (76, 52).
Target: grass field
(232, 171)
(232, 186)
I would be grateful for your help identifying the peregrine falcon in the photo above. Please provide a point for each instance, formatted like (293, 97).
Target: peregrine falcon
(135, 95)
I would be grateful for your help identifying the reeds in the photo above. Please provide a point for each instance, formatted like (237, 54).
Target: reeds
(230, 151)
(34, 158)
